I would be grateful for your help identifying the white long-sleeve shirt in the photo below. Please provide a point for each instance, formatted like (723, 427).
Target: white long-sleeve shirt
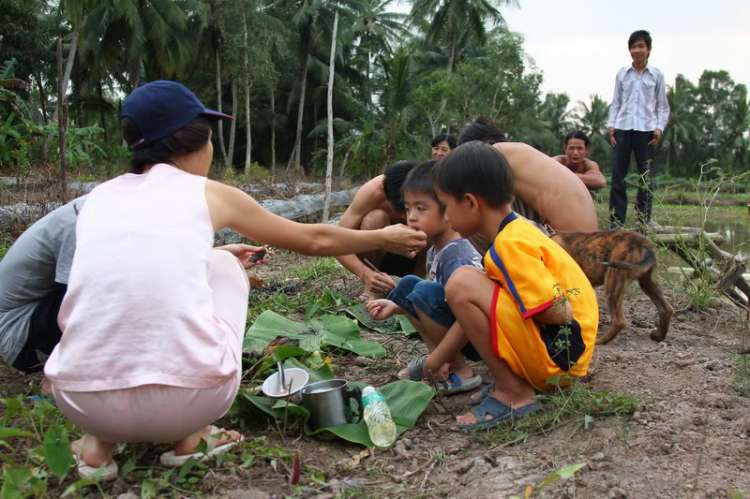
(640, 100)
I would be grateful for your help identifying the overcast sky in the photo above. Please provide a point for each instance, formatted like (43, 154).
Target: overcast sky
(580, 44)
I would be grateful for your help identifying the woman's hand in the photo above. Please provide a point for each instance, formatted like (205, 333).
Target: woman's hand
(245, 253)
(381, 309)
(404, 240)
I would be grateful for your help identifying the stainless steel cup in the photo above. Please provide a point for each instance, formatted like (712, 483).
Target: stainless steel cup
(328, 403)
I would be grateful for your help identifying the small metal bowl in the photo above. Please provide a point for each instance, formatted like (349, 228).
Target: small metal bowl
(296, 379)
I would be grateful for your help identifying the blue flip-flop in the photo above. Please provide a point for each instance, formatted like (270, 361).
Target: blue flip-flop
(499, 411)
(454, 384)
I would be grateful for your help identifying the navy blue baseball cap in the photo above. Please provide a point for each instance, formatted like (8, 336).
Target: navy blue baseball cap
(160, 108)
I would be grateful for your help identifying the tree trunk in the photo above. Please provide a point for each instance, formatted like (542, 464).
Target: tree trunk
(42, 98)
(233, 126)
(248, 130)
(137, 74)
(63, 122)
(220, 124)
(329, 164)
(273, 132)
(64, 78)
(343, 163)
(68, 67)
(451, 60)
(294, 160)
(102, 116)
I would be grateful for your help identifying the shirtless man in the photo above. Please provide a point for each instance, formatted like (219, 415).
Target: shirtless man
(576, 148)
(378, 204)
(546, 191)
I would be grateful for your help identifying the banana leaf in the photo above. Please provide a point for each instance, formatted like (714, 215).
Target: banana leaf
(313, 334)
(406, 400)
(392, 325)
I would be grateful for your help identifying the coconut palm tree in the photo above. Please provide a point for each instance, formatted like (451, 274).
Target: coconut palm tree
(681, 132)
(133, 36)
(452, 21)
(374, 32)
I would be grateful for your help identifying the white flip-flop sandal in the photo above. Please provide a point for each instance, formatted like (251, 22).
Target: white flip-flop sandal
(170, 459)
(85, 470)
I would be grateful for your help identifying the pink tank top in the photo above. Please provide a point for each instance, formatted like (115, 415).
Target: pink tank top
(138, 309)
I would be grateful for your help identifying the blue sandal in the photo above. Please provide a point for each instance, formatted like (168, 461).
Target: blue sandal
(414, 370)
(499, 411)
(454, 384)
(483, 394)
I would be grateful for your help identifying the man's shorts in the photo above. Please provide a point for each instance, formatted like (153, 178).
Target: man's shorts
(44, 333)
(398, 265)
(412, 293)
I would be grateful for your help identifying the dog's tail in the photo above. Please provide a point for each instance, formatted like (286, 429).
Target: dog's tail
(649, 259)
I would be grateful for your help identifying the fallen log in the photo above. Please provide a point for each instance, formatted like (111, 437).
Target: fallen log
(292, 209)
(23, 214)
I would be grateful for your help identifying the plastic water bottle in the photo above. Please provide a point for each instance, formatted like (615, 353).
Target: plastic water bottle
(377, 415)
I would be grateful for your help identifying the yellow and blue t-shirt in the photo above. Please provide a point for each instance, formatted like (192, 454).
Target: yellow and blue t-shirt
(531, 272)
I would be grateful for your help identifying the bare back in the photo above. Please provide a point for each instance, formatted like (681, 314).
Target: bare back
(370, 197)
(555, 192)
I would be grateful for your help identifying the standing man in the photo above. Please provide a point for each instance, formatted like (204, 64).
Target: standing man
(637, 118)
(576, 148)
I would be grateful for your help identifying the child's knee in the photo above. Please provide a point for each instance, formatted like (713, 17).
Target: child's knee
(462, 282)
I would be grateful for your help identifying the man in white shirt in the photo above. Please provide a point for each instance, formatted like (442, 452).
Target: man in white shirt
(637, 118)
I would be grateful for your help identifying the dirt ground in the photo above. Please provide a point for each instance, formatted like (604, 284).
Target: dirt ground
(689, 438)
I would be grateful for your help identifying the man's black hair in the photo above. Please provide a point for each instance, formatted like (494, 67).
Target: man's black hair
(639, 35)
(420, 180)
(395, 176)
(577, 135)
(482, 129)
(475, 168)
(450, 139)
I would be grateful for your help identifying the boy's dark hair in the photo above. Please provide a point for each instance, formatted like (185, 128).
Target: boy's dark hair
(443, 137)
(577, 135)
(395, 176)
(482, 129)
(420, 180)
(184, 141)
(639, 35)
(475, 168)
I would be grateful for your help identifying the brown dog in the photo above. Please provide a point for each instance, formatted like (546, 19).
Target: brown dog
(615, 258)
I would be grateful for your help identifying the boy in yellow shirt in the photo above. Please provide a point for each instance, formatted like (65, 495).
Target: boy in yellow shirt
(533, 315)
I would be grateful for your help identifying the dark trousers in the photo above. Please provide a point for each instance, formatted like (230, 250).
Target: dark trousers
(636, 142)
(44, 333)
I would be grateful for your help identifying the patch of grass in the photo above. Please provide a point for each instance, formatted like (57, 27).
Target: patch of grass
(37, 460)
(318, 268)
(278, 302)
(576, 404)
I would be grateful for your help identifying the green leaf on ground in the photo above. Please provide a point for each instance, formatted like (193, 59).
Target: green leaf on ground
(406, 400)
(392, 325)
(57, 451)
(566, 472)
(313, 334)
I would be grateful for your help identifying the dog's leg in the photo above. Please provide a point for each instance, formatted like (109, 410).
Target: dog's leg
(615, 285)
(653, 291)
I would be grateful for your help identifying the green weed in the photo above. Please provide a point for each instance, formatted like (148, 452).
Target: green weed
(575, 404)
(318, 268)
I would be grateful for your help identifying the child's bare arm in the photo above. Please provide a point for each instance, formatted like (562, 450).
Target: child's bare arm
(557, 314)
(382, 309)
(453, 341)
